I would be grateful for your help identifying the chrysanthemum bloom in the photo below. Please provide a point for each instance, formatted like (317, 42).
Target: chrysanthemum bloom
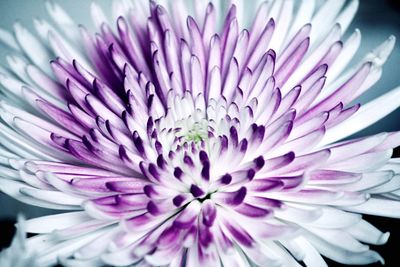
(198, 134)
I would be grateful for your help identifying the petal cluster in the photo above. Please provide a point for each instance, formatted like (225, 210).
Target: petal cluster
(18, 254)
(198, 133)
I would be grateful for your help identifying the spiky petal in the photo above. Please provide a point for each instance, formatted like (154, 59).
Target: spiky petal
(198, 135)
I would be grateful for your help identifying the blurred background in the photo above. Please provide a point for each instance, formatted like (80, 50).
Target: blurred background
(377, 20)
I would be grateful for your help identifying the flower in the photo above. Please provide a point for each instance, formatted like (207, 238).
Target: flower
(18, 254)
(201, 134)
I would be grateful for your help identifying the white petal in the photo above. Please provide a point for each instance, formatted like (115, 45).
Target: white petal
(47, 224)
(12, 188)
(64, 22)
(368, 233)
(304, 15)
(350, 48)
(343, 256)
(367, 115)
(8, 39)
(33, 48)
(341, 219)
(311, 257)
(51, 196)
(347, 14)
(50, 256)
(339, 239)
(98, 15)
(324, 18)
(379, 207)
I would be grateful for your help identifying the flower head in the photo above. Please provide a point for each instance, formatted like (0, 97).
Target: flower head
(198, 134)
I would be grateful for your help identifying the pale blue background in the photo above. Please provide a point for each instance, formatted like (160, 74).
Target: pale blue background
(376, 20)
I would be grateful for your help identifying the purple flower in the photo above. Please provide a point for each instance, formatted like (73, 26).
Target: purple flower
(201, 134)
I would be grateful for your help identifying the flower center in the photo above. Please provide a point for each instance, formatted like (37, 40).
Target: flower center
(196, 134)
(192, 131)
(208, 196)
